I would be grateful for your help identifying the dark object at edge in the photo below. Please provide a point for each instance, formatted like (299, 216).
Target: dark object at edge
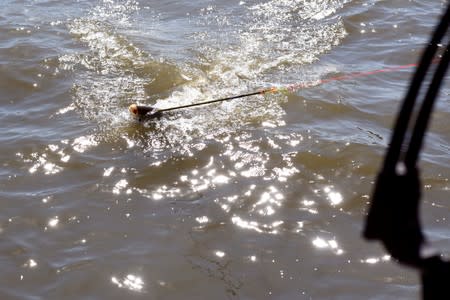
(393, 216)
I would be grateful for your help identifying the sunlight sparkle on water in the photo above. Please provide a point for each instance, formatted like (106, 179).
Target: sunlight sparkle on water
(268, 200)
(282, 174)
(130, 143)
(221, 179)
(164, 192)
(300, 226)
(334, 197)
(66, 109)
(375, 260)
(83, 143)
(277, 223)
(220, 254)
(120, 185)
(53, 222)
(42, 162)
(202, 220)
(321, 243)
(245, 224)
(266, 211)
(108, 171)
(131, 282)
(272, 197)
(31, 263)
(271, 228)
(64, 158)
(308, 202)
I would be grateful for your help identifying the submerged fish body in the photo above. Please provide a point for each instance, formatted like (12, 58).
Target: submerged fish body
(144, 112)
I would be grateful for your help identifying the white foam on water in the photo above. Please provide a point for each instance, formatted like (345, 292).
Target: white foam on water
(263, 44)
(272, 39)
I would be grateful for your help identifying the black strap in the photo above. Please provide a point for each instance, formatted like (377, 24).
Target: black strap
(426, 109)
(393, 216)
(404, 117)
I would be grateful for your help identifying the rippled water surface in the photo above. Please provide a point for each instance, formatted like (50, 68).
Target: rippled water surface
(262, 197)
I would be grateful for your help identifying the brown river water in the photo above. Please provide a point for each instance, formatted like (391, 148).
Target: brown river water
(262, 197)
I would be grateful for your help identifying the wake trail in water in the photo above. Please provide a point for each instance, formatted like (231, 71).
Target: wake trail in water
(256, 46)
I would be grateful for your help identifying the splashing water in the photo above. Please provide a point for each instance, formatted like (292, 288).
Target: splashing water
(270, 40)
(261, 196)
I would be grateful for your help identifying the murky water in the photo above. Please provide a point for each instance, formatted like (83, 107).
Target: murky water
(258, 198)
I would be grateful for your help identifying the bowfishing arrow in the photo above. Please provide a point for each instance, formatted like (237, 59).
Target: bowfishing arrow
(142, 112)
(146, 112)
